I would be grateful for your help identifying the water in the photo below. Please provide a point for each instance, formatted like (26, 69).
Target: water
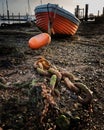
(10, 22)
(23, 19)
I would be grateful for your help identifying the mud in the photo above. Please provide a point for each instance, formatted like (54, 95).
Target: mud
(82, 55)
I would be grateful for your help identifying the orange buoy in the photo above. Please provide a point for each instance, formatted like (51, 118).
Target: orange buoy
(39, 40)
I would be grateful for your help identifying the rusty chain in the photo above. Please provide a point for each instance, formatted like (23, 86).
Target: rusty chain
(45, 68)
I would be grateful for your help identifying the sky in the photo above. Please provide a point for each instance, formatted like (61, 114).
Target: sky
(21, 6)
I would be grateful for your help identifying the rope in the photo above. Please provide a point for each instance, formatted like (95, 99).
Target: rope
(51, 19)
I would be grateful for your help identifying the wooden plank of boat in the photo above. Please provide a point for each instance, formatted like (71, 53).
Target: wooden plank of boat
(57, 19)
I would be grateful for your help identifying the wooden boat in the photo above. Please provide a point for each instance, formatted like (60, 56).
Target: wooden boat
(55, 20)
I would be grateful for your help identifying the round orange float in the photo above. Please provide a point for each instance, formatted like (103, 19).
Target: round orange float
(39, 41)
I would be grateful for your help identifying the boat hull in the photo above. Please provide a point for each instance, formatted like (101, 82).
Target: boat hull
(52, 18)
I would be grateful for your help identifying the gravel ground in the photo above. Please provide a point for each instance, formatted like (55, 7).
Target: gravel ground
(82, 55)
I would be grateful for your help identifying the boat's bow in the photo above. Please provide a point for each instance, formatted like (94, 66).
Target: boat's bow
(53, 19)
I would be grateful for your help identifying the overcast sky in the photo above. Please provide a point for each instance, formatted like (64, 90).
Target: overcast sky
(21, 6)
